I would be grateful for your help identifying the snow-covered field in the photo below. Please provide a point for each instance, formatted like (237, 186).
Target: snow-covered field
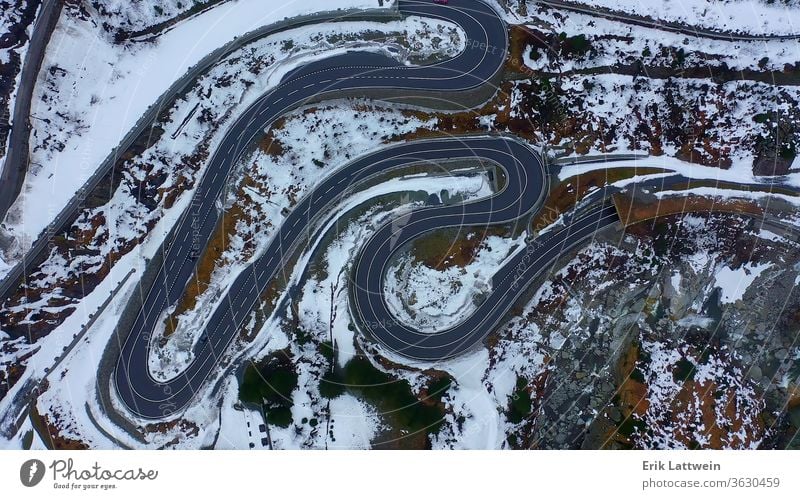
(595, 294)
(277, 183)
(122, 17)
(127, 219)
(67, 404)
(138, 15)
(756, 17)
(103, 88)
(718, 103)
(308, 145)
(191, 129)
(728, 124)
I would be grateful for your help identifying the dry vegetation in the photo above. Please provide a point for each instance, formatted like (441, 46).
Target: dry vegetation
(632, 210)
(443, 249)
(565, 195)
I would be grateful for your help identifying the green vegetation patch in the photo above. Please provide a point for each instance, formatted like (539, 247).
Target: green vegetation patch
(270, 383)
(394, 398)
(331, 385)
(683, 371)
(439, 386)
(520, 404)
(576, 46)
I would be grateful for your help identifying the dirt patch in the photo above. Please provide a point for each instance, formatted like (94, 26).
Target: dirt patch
(566, 194)
(186, 427)
(87, 236)
(268, 144)
(449, 124)
(50, 434)
(443, 249)
(628, 406)
(520, 38)
(633, 210)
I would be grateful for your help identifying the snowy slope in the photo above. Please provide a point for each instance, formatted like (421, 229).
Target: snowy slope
(103, 88)
(756, 17)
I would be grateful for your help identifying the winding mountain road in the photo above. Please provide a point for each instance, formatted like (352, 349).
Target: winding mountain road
(523, 190)
(482, 58)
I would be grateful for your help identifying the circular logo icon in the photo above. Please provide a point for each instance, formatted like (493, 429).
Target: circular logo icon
(31, 472)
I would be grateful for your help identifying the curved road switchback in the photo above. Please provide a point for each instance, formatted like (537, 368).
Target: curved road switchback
(508, 282)
(482, 58)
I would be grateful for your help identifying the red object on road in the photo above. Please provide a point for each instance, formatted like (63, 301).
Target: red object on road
(441, 2)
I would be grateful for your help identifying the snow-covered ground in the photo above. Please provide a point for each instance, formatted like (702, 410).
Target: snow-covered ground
(756, 17)
(727, 124)
(739, 172)
(614, 42)
(330, 134)
(66, 404)
(138, 15)
(127, 219)
(595, 293)
(717, 102)
(171, 358)
(313, 141)
(431, 300)
(734, 282)
(135, 15)
(294, 173)
(92, 91)
(323, 313)
(484, 380)
(191, 129)
(16, 22)
(717, 373)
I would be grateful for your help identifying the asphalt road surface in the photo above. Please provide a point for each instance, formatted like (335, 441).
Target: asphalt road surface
(522, 193)
(482, 58)
(508, 282)
(15, 167)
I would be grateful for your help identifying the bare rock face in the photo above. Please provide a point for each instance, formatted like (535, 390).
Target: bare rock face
(679, 334)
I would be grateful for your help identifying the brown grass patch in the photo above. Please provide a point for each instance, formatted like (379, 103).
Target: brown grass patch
(443, 249)
(793, 396)
(633, 210)
(51, 435)
(631, 398)
(520, 37)
(188, 428)
(206, 264)
(566, 194)
(467, 121)
(269, 144)
(702, 399)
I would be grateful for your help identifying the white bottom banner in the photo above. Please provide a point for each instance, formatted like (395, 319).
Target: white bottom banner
(401, 474)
